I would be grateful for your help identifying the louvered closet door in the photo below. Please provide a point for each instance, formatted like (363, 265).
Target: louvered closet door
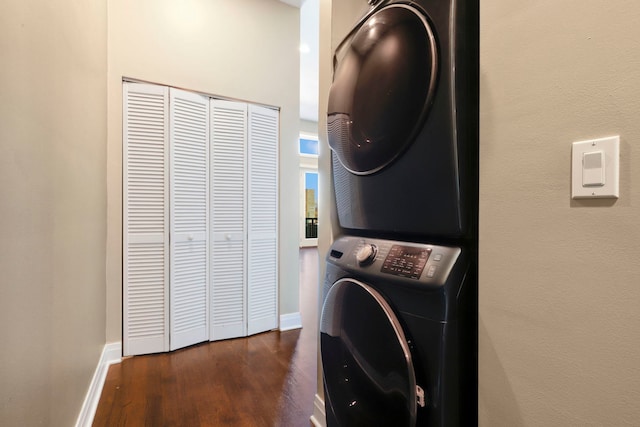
(228, 219)
(145, 219)
(189, 184)
(262, 259)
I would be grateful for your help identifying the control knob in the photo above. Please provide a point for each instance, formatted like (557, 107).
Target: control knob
(366, 254)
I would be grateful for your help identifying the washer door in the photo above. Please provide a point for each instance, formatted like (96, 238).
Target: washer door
(368, 370)
(382, 88)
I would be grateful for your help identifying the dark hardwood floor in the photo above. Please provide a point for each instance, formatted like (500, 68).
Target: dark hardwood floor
(265, 380)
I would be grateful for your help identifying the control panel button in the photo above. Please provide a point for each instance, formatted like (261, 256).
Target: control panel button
(366, 254)
(431, 271)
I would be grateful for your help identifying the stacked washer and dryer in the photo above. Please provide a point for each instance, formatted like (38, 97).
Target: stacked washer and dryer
(398, 330)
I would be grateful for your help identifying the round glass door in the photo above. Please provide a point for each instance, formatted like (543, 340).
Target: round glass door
(382, 88)
(367, 366)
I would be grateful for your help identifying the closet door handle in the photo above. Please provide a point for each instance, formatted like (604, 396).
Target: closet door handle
(227, 236)
(190, 237)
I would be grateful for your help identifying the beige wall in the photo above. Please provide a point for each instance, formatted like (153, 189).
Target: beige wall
(336, 19)
(244, 49)
(559, 279)
(325, 219)
(53, 207)
(309, 127)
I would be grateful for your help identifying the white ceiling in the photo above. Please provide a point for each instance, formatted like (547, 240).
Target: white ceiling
(309, 76)
(296, 3)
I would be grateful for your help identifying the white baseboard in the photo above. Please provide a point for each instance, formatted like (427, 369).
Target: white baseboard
(111, 353)
(319, 417)
(290, 321)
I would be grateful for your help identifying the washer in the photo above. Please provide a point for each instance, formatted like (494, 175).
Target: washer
(398, 335)
(403, 120)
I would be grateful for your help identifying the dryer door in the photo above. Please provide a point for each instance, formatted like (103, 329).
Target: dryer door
(383, 85)
(368, 370)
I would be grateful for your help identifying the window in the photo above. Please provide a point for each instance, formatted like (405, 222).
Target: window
(308, 146)
(308, 149)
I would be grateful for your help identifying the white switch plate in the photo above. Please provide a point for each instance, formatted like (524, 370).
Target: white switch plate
(611, 168)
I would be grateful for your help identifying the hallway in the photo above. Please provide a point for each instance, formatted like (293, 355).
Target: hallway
(266, 380)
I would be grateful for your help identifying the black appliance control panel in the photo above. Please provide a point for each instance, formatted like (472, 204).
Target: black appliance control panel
(406, 261)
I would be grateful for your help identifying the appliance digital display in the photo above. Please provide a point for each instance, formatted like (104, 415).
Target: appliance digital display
(406, 261)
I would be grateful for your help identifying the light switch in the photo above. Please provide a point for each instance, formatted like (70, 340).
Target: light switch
(595, 168)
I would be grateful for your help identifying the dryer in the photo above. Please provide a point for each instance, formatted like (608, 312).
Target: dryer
(398, 334)
(403, 120)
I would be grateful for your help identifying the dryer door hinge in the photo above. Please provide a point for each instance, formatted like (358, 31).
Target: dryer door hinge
(420, 396)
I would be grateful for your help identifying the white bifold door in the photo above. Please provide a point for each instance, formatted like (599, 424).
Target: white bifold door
(189, 213)
(262, 220)
(244, 162)
(145, 219)
(199, 218)
(228, 219)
